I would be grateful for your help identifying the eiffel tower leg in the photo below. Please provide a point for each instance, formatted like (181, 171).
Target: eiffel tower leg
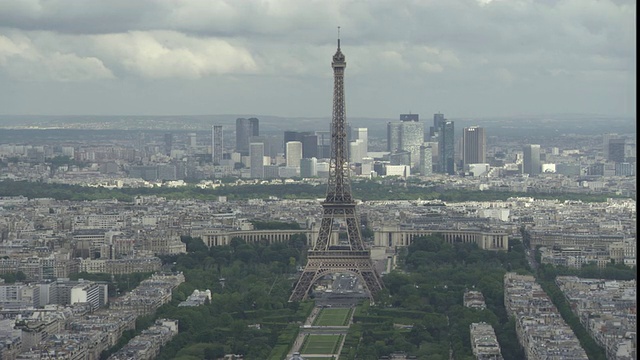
(324, 235)
(301, 291)
(372, 281)
(353, 233)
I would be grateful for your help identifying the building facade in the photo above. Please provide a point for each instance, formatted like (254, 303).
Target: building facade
(256, 155)
(217, 145)
(446, 148)
(393, 137)
(426, 167)
(411, 136)
(531, 160)
(473, 146)
(308, 168)
(245, 129)
(294, 153)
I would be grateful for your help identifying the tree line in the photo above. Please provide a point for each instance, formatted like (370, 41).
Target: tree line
(369, 190)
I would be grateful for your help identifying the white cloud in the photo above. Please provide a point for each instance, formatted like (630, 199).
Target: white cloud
(451, 45)
(168, 54)
(21, 60)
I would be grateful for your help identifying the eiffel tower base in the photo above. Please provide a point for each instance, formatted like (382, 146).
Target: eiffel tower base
(321, 263)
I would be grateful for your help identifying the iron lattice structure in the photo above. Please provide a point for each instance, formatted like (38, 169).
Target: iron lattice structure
(326, 258)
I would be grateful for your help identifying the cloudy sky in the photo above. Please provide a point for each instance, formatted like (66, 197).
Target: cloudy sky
(464, 58)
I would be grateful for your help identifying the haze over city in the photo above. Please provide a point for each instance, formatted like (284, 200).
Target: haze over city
(468, 58)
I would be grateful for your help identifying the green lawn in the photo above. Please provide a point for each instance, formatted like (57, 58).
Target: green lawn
(320, 344)
(333, 317)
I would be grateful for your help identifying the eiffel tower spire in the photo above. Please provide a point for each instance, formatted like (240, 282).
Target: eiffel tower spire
(327, 257)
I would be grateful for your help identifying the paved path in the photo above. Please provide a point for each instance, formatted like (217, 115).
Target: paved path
(308, 329)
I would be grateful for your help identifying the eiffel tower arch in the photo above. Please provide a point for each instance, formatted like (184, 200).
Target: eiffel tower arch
(339, 208)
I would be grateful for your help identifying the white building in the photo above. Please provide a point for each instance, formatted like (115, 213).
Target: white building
(92, 293)
(398, 170)
(294, 153)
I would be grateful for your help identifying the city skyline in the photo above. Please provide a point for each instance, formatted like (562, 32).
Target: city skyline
(113, 58)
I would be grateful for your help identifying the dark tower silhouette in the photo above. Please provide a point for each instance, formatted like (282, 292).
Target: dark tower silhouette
(339, 208)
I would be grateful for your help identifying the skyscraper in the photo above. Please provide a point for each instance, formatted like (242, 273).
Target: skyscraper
(256, 156)
(245, 128)
(357, 151)
(309, 142)
(393, 136)
(168, 143)
(409, 117)
(216, 144)
(438, 119)
(605, 144)
(473, 145)
(446, 148)
(308, 167)
(425, 160)
(363, 134)
(531, 160)
(324, 144)
(617, 150)
(358, 147)
(254, 123)
(294, 153)
(411, 136)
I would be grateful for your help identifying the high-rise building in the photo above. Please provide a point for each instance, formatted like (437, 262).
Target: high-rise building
(324, 144)
(438, 119)
(473, 145)
(362, 134)
(605, 144)
(264, 140)
(446, 148)
(425, 160)
(216, 144)
(308, 167)
(367, 166)
(411, 136)
(168, 143)
(255, 126)
(357, 151)
(245, 128)
(617, 150)
(193, 140)
(409, 117)
(272, 146)
(256, 155)
(393, 136)
(309, 146)
(294, 153)
(359, 146)
(400, 158)
(531, 159)
(309, 142)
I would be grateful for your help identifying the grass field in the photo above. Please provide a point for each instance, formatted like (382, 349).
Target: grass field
(320, 344)
(333, 317)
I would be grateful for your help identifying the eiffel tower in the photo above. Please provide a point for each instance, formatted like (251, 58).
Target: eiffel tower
(326, 258)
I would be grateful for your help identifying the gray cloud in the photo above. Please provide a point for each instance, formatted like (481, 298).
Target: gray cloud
(463, 57)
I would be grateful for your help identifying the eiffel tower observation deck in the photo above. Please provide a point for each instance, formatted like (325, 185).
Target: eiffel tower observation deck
(339, 209)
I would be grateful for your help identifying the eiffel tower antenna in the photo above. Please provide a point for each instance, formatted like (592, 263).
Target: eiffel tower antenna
(328, 256)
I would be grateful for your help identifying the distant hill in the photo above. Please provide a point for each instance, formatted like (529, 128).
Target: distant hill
(499, 126)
